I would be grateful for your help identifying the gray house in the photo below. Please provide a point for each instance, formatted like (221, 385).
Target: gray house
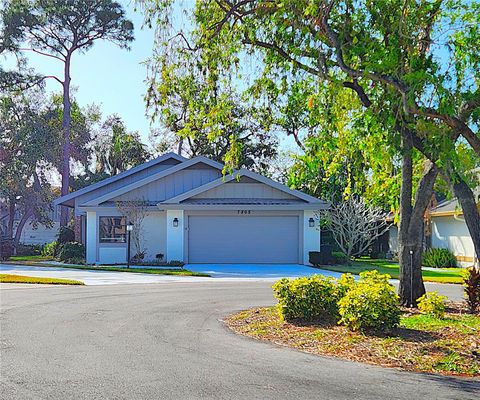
(196, 214)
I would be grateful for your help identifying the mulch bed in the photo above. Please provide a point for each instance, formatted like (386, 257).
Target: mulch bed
(450, 346)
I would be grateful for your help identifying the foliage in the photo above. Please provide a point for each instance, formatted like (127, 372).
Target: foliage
(71, 251)
(29, 249)
(439, 258)
(370, 304)
(25, 156)
(117, 150)
(58, 30)
(50, 249)
(355, 225)
(307, 298)
(431, 303)
(471, 284)
(7, 249)
(339, 257)
(65, 234)
(440, 275)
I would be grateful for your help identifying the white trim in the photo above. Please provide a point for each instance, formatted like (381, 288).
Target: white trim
(152, 178)
(122, 175)
(273, 207)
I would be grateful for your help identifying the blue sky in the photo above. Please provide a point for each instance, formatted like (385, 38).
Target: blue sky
(108, 76)
(113, 78)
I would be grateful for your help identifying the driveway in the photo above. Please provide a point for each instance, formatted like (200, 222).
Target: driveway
(168, 342)
(225, 272)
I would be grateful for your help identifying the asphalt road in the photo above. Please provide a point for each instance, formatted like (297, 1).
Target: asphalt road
(167, 341)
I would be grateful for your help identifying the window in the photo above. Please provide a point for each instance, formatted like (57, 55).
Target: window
(112, 230)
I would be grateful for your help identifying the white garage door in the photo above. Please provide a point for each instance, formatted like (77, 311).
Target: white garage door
(243, 239)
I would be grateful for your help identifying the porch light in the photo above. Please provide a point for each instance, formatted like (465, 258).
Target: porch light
(129, 227)
(175, 222)
(311, 222)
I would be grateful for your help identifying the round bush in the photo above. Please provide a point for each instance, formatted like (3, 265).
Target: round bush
(432, 304)
(439, 258)
(71, 251)
(306, 298)
(370, 303)
(65, 235)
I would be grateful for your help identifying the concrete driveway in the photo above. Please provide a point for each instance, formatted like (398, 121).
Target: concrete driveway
(168, 342)
(258, 271)
(224, 272)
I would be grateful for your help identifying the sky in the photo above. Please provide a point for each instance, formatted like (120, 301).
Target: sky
(112, 78)
(106, 75)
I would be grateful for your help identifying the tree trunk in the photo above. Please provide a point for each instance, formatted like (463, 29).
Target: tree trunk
(411, 229)
(66, 139)
(21, 224)
(471, 213)
(11, 218)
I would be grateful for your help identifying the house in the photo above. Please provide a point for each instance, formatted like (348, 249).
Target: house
(32, 234)
(197, 214)
(445, 227)
(449, 230)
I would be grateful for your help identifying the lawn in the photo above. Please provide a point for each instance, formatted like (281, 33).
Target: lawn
(440, 275)
(421, 343)
(33, 261)
(6, 278)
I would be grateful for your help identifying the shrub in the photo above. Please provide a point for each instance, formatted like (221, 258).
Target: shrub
(49, 249)
(6, 249)
(370, 303)
(306, 298)
(339, 257)
(439, 258)
(70, 251)
(65, 235)
(29, 249)
(471, 288)
(432, 304)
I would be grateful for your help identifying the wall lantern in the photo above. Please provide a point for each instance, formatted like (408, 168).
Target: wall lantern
(175, 222)
(311, 222)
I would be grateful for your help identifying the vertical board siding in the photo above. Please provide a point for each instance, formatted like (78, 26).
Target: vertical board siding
(171, 185)
(232, 190)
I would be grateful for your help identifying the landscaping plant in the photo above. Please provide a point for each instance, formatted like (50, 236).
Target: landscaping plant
(49, 249)
(309, 298)
(72, 251)
(432, 304)
(439, 258)
(471, 284)
(370, 304)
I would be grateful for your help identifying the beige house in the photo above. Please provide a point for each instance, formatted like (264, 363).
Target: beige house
(449, 230)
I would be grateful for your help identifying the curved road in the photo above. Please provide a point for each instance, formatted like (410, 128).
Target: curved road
(167, 341)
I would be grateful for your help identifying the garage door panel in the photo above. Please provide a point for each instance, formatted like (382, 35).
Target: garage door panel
(243, 239)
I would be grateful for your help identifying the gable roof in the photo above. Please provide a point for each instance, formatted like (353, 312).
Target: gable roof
(299, 197)
(242, 173)
(119, 176)
(127, 188)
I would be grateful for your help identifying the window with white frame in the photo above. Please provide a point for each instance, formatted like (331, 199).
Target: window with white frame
(112, 230)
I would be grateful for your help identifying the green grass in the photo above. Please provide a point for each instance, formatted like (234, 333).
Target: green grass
(30, 258)
(440, 275)
(33, 262)
(7, 278)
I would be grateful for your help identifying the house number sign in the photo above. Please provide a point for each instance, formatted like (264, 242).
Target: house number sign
(244, 211)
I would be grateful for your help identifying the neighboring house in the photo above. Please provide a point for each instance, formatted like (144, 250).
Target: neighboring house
(198, 215)
(450, 231)
(31, 234)
(445, 227)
